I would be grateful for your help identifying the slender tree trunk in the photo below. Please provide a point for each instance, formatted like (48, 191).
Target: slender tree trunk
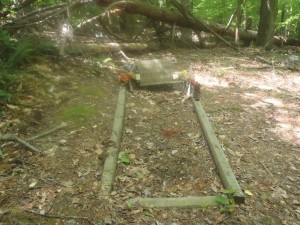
(266, 27)
(238, 20)
(282, 19)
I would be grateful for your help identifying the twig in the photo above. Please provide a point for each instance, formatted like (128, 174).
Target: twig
(62, 125)
(123, 54)
(283, 91)
(11, 137)
(62, 217)
(264, 60)
(261, 163)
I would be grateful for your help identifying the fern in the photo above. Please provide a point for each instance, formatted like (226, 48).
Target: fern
(15, 53)
(23, 50)
(5, 96)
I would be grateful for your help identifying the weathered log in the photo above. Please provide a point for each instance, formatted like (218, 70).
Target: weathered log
(106, 47)
(110, 164)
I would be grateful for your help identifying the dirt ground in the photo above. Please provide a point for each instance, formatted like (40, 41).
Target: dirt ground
(253, 108)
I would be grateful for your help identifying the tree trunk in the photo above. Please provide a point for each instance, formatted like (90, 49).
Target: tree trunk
(268, 12)
(238, 21)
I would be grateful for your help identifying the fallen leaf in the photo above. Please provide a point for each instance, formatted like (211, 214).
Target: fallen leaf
(247, 192)
(68, 183)
(128, 131)
(32, 185)
(13, 107)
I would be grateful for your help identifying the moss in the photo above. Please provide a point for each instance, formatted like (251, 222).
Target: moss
(91, 91)
(77, 113)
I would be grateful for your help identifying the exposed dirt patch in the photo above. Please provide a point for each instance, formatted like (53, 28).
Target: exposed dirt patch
(252, 108)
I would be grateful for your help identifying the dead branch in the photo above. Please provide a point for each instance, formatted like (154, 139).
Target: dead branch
(198, 23)
(87, 22)
(38, 16)
(283, 91)
(263, 165)
(264, 60)
(231, 19)
(12, 137)
(61, 216)
(62, 125)
(108, 30)
(48, 8)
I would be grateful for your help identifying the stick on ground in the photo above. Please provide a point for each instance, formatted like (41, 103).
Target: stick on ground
(12, 137)
(62, 125)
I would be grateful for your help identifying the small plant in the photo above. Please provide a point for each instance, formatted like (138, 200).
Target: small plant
(129, 205)
(14, 53)
(124, 157)
(5, 96)
(226, 202)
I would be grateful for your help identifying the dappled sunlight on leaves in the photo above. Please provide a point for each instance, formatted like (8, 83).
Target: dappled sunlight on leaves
(213, 82)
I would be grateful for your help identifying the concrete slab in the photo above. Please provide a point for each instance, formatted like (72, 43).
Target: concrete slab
(156, 72)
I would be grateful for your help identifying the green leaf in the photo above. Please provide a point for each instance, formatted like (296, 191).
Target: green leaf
(124, 157)
(247, 192)
(129, 205)
(147, 213)
(231, 208)
(222, 200)
(5, 96)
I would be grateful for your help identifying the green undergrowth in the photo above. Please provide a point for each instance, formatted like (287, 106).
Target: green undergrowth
(15, 53)
(78, 114)
(91, 91)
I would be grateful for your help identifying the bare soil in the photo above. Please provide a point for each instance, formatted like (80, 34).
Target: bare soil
(253, 107)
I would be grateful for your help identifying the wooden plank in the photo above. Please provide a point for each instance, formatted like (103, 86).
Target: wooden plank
(228, 178)
(111, 160)
(180, 202)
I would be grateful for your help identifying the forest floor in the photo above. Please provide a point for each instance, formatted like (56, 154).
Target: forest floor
(253, 107)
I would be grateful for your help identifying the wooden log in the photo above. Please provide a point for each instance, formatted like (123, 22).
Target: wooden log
(81, 48)
(180, 202)
(111, 160)
(227, 177)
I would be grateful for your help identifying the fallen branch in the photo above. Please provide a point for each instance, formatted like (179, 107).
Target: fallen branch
(198, 24)
(283, 91)
(12, 137)
(62, 125)
(263, 165)
(62, 217)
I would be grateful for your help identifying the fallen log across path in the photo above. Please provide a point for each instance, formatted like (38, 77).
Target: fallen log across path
(157, 13)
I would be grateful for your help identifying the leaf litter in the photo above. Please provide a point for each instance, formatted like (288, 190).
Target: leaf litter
(167, 153)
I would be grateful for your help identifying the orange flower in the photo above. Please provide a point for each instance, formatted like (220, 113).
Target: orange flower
(125, 77)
